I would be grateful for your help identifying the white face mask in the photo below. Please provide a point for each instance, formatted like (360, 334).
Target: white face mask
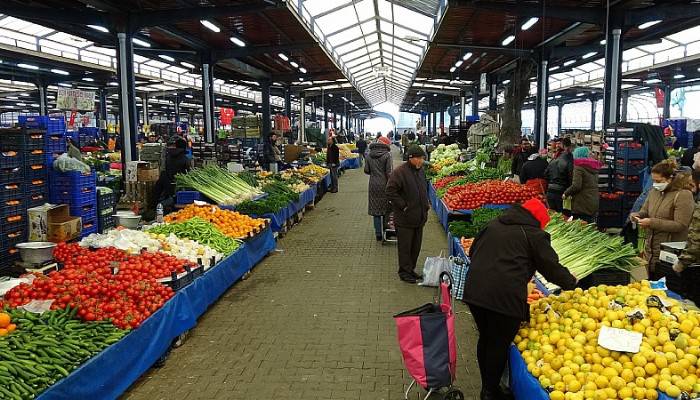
(660, 186)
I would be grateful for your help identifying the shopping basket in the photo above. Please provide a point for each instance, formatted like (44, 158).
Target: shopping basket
(427, 340)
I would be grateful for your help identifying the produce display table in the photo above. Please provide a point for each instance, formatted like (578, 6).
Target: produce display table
(350, 163)
(110, 373)
(279, 219)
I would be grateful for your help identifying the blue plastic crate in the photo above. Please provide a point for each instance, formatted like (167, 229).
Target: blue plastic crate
(105, 222)
(34, 157)
(56, 143)
(187, 197)
(11, 174)
(627, 153)
(26, 139)
(626, 168)
(627, 185)
(65, 195)
(12, 207)
(105, 201)
(56, 125)
(33, 121)
(89, 223)
(15, 221)
(11, 190)
(10, 238)
(89, 130)
(88, 211)
(37, 199)
(77, 180)
(35, 173)
(10, 157)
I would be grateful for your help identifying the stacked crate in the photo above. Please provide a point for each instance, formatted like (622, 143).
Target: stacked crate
(78, 190)
(203, 153)
(106, 204)
(13, 208)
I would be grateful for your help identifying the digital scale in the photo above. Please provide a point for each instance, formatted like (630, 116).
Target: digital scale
(670, 251)
(43, 268)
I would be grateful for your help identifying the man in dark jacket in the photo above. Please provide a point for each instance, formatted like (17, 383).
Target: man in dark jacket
(521, 155)
(504, 258)
(534, 167)
(271, 154)
(176, 162)
(559, 173)
(361, 148)
(333, 162)
(687, 159)
(407, 192)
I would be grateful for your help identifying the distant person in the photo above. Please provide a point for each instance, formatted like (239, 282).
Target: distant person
(520, 156)
(176, 162)
(271, 154)
(688, 156)
(404, 145)
(378, 167)
(534, 167)
(379, 136)
(361, 148)
(333, 162)
(559, 174)
(584, 191)
(407, 191)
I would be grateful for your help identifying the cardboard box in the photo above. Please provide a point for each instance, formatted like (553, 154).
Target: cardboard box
(38, 222)
(141, 171)
(148, 174)
(62, 226)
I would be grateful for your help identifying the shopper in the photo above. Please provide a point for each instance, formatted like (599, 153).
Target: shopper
(361, 148)
(333, 162)
(559, 174)
(521, 156)
(665, 214)
(584, 186)
(176, 162)
(404, 145)
(378, 167)
(534, 167)
(272, 154)
(688, 156)
(407, 191)
(504, 258)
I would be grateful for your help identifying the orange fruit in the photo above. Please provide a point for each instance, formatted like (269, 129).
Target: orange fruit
(4, 320)
(3, 332)
(11, 328)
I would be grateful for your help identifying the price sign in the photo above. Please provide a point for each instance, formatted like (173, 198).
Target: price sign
(75, 100)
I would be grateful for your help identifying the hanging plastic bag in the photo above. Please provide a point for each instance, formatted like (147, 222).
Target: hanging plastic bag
(64, 163)
(432, 269)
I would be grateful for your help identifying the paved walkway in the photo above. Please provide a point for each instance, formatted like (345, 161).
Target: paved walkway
(313, 321)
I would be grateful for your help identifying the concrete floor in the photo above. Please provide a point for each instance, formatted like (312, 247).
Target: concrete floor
(314, 319)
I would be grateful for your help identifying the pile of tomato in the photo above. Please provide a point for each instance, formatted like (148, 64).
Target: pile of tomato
(442, 182)
(103, 284)
(474, 195)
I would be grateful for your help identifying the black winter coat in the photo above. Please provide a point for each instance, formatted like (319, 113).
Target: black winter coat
(519, 159)
(559, 173)
(533, 169)
(361, 146)
(333, 154)
(407, 191)
(504, 258)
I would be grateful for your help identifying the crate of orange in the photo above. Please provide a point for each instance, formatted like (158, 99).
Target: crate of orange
(230, 223)
(6, 325)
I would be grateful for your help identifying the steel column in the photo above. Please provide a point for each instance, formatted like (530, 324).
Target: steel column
(540, 130)
(302, 118)
(667, 102)
(435, 116)
(462, 105)
(612, 79)
(103, 109)
(127, 92)
(623, 110)
(493, 96)
(325, 126)
(177, 109)
(43, 101)
(207, 91)
(475, 101)
(266, 123)
(560, 108)
(594, 104)
(145, 110)
(288, 102)
(442, 120)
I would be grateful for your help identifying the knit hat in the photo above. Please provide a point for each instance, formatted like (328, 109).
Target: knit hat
(538, 210)
(384, 140)
(415, 151)
(581, 152)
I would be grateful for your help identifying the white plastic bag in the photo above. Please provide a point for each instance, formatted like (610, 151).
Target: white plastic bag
(432, 269)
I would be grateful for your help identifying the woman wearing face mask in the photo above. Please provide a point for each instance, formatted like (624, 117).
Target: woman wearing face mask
(666, 213)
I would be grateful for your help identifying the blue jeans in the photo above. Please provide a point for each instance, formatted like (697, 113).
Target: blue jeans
(378, 228)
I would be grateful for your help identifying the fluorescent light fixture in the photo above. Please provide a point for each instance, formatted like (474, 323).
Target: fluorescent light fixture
(113, 84)
(466, 56)
(28, 66)
(210, 25)
(649, 24)
(557, 96)
(11, 97)
(507, 81)
(459, 63)
(166, 57)
(603, 42)
(589, 55)
(21, 104)
(554, 68)
(508, 40)
(283, 56)
(678, 76)
(655, 80)
(529, 23)
(59, 71)
(580, 94)
(64, 84)
(35, 105)
(434, 94)
(140, 42)
(24, 94)
(301, 79)
(189, 96)
(302, 70)
(330, 94)
(422, 98)
(187, 65)
(293, 64)
(99, 28)
(238, 42)
(570, 62)
(88, 79)
(453, 69)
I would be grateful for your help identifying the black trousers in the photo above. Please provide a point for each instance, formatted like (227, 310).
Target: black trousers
(496, 332)
(554, 201)
(583, 217)
(334, 177)
(409, 243)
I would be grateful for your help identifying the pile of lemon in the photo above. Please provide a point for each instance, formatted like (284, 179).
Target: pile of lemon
(560, 348)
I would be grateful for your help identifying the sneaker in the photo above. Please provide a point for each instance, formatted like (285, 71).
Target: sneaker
(408, 279)
(417, 276)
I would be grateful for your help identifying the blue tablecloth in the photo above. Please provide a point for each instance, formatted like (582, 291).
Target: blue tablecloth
(110, 373)
(350, 163)
(327, 181)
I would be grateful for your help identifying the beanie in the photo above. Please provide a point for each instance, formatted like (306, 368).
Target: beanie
(581, 152)
(415, 151)
(384, 140)
(537, 209)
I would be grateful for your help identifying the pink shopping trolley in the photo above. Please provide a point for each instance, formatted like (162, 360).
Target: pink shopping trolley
(427, 340)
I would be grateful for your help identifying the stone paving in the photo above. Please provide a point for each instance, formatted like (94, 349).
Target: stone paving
(313, 320)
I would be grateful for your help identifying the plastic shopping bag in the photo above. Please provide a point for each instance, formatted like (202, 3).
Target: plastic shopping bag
(432, 269)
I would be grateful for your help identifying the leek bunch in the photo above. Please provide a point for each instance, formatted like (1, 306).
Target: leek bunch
(583, 249)
(218, 184)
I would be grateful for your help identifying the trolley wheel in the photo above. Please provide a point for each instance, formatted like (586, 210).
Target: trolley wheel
(453, 394)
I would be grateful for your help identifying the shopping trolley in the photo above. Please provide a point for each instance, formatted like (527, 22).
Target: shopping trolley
(427, 340)
(388, 229)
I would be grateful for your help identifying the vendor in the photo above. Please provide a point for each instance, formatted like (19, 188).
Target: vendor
(504, 258)
(176, 162)
(272, 154)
